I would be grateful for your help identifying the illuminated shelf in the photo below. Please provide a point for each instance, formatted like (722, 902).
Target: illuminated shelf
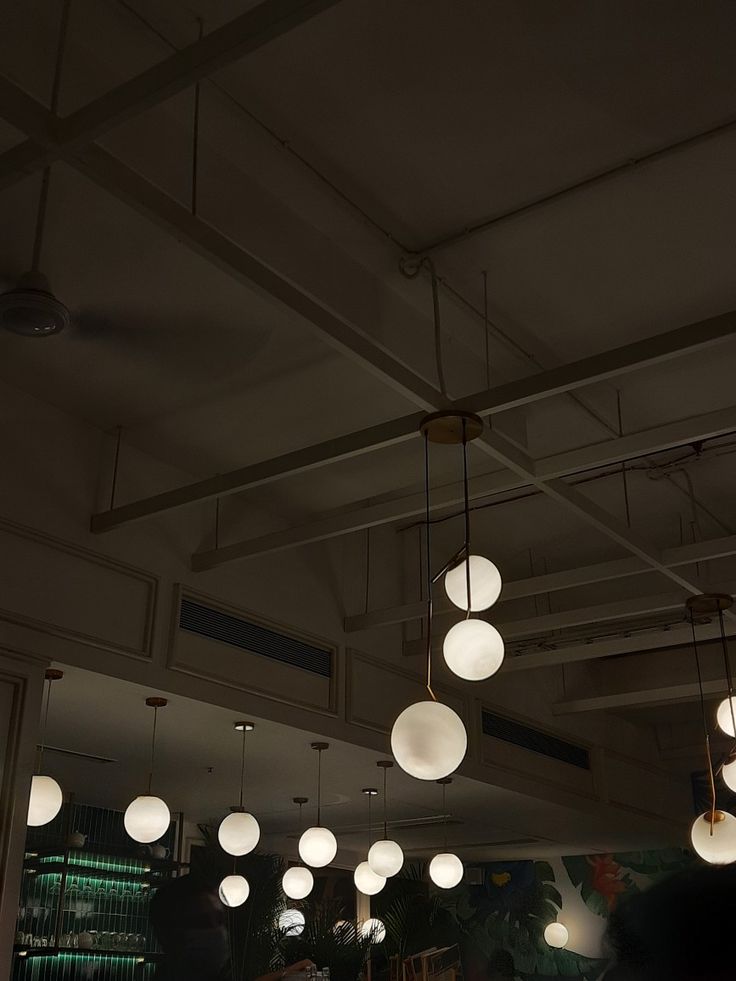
(143, 956)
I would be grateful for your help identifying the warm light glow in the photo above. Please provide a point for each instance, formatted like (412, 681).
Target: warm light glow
(556, 935)
(366, 880)
(717, 845)
(44, 802)
(385, 857)
(146, 819)
(485, 584)
(446, 870)
(375, 929)
(297, 882)
(729, 775)
(724, 718)
(317, 847)
(234, 890)
(291, 922)
(238, 833)
(428, 740)
(473, 650)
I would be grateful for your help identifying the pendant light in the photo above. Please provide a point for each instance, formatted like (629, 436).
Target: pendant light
(298, 881)
(556, 935)
(445, 869)
(726, 712)
(318, 845)
(366, 880)
(239, 832)
(385, 857)
(45, 799)
(713, 834)
(428, 739)
(147, 817)
(234, 890)
(373, 930)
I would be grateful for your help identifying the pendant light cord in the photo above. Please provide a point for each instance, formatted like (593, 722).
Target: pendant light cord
(242, 769)
(711, 775)
(385, 807)
(485, 329)
(466, 502)
(444, 816)
(369, 820)
(319, 788)
(195, 133)
(428, 539)
(727, 665)
(44, 724)
(153, 749)
(54, 105)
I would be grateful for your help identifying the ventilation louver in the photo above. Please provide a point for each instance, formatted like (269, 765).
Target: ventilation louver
(532, 739)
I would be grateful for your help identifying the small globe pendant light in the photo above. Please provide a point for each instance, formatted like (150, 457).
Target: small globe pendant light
(373, 930)
(239, 832)
(234, 890)
(298, 881)
(556, 935)
(445, 869)
(318, 845)
(385, 857)
(45, 798)
(366, 880)
(147, 817)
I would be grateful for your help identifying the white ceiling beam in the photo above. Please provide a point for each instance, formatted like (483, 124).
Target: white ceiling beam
(664, 695)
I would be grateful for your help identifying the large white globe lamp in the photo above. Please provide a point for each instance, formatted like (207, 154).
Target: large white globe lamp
(146, 818)
(234, 890)
(446, 870)
(238, 833)
(366, 880)
(485, 584)
(297, 882)
(385, 857)
(715, 844)
(45, 800)
(556, 935)
(291, 922)
(473, 650)
(317, 847)
(428, 740)
(374, 929)
(729, 775)
(724, 718)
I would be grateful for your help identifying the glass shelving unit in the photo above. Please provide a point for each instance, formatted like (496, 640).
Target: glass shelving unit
(83, 910)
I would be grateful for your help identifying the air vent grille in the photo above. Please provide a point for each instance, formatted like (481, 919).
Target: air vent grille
(252, 637)
(532, 739)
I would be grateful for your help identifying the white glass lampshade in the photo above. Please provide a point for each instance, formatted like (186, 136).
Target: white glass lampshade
(366, 880)
(385, 857)
(234, 890)
(238, 833)
(729, 775)
(716, 844)
(556, 935)
(724, 718)
(317, 847)
(146, 818)
(375, 929)
(446, 870)
(485, 584)
(428, 740)
(473, 650)
(291, 922)
(44, 802)
(297, 882)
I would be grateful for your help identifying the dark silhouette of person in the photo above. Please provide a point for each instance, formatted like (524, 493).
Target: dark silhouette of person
(191, 926)
(679, 930)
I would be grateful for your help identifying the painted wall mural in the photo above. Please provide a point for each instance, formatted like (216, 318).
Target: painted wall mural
(501, 922)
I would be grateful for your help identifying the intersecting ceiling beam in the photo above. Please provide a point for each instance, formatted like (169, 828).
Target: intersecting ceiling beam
(641, 698)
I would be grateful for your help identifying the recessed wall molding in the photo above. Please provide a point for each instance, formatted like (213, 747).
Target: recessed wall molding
(63, 590)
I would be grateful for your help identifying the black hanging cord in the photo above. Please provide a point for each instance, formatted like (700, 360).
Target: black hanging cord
(428, 539)
(485, 329)
(153, 748)
(444, 815)
(706, 733)
(195, 133)
(44, 724)
(242, 769)
(319, 788)
(385, 807)
(369, 821)
(727, 665)
(466, 501)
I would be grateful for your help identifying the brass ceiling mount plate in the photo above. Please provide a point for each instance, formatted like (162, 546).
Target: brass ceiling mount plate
(385, 764)
(452, 427)
(156, 702)
(708, 604)
(320, 746)
(300, 800)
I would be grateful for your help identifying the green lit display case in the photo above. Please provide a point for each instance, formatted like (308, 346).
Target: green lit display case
(84, 903)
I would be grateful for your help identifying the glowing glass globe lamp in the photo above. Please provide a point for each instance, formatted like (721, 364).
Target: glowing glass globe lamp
(446, 870)
(485, 584)
(729, 775)
(385, 858)
(473, 650)
(146, 818)
(297, 882)
(556, 935)
(234, 890)
(45, 800)
(373, 929)
(238, 833)
(317, 847)
(366, 880)
(428, 740)
(724, 718)
(291, 922)
(717, 844)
